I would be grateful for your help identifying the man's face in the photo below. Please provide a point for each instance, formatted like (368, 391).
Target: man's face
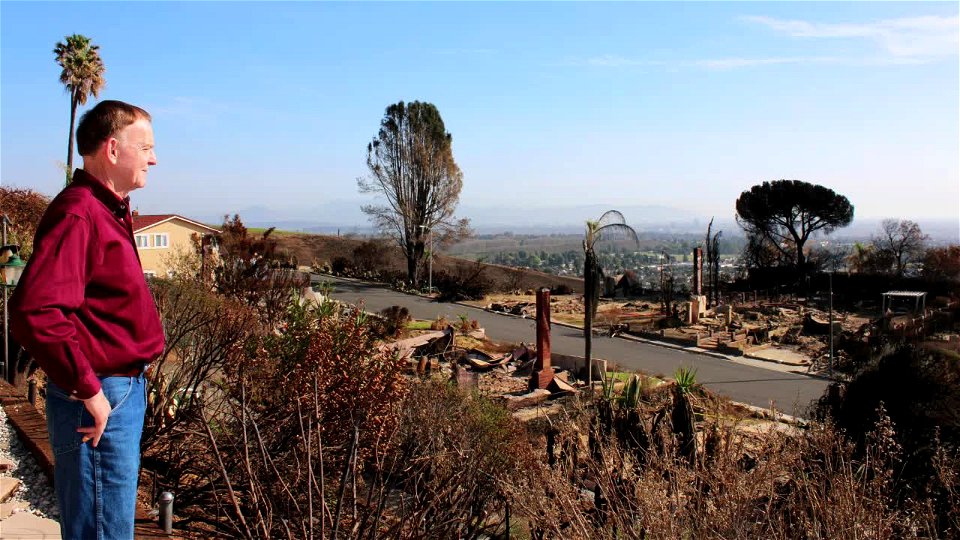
(134, 155)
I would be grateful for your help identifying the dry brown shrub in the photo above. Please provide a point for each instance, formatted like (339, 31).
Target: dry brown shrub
(609, 316)
(746, 484)
(24, 207)
(440, 323)
(315, 433)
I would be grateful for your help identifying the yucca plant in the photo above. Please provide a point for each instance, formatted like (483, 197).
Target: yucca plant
(608, 384)
(682, 417)
(631, 394)
(686, 379)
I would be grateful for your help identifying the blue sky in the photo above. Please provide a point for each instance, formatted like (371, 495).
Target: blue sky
(550, 104)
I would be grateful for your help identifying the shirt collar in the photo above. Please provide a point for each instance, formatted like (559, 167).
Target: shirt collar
(120, 207)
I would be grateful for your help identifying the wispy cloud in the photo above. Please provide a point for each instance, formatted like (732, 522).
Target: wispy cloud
(614, 61)
(734, 63)
(908, 37)
(903, 41)
(611, 60)
(748, 62)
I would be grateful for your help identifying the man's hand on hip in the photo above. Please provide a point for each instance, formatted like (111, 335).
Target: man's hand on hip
(99, 408)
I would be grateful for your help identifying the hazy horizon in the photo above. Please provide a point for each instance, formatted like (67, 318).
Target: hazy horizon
(561, 220)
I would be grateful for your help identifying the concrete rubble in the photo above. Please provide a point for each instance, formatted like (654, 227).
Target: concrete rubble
(741, 327)
(520, 377)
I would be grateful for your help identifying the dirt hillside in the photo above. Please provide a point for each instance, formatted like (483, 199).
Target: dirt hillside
(310, 248)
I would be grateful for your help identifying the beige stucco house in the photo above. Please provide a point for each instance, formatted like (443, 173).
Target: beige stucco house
(160, 237)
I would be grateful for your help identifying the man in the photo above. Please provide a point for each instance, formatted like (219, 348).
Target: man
(83, 310)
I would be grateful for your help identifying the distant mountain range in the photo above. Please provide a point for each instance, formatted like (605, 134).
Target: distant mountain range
(345, 217)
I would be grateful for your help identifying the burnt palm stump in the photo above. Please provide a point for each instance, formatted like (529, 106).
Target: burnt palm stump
(542, 374)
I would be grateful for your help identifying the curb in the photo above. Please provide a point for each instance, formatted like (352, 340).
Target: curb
(774, 415)
(815, 376)
(781, 362)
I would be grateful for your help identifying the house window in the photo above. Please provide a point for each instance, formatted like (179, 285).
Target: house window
(160, 240)
(149, 274)
(142, 241)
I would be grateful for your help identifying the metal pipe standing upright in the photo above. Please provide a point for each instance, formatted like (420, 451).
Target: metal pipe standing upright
(6, 338)
(430, 266)
(831, 324)
(6, 324)
(166, 512)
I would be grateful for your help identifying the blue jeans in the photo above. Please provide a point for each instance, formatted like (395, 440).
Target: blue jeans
(97, 487)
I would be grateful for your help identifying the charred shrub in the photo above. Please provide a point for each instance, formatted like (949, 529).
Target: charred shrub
(369, 256)
(561, 288)
(339, 265)
(393, 320)
(465, 283)
(919, 388)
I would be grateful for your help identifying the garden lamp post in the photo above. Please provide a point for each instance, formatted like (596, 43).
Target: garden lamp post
(429, 231)
(10, 270)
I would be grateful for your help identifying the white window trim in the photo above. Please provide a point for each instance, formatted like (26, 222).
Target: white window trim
(150, 240)
(166, 240)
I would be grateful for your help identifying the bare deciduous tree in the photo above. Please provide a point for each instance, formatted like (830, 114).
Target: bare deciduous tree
(942, 263)
(900, 242)
(411, 164)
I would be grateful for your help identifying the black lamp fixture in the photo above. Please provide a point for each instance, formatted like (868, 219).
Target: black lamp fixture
(11, 266)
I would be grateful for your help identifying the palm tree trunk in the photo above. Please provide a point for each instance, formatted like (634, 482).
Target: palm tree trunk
(589, 295)
(684, 425)
(588, 342)
(73, 118)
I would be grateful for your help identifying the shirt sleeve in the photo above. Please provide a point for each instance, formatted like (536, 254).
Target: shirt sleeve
(44, 304)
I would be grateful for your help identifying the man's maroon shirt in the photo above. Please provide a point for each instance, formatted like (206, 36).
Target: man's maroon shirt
(82, 306)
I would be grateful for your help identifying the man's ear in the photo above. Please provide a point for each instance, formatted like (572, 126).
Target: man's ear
(111, 149)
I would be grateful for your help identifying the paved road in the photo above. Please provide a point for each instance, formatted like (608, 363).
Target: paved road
(740, 380)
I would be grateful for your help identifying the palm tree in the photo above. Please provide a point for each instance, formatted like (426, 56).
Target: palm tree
(82, 76)
(610, 225)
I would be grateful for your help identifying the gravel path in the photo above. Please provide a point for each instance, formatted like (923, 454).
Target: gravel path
(35, 489)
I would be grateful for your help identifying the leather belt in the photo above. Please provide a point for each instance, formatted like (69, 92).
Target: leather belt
(133, 372)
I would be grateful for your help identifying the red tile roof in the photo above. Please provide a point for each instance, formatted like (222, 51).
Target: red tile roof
(141, 221)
